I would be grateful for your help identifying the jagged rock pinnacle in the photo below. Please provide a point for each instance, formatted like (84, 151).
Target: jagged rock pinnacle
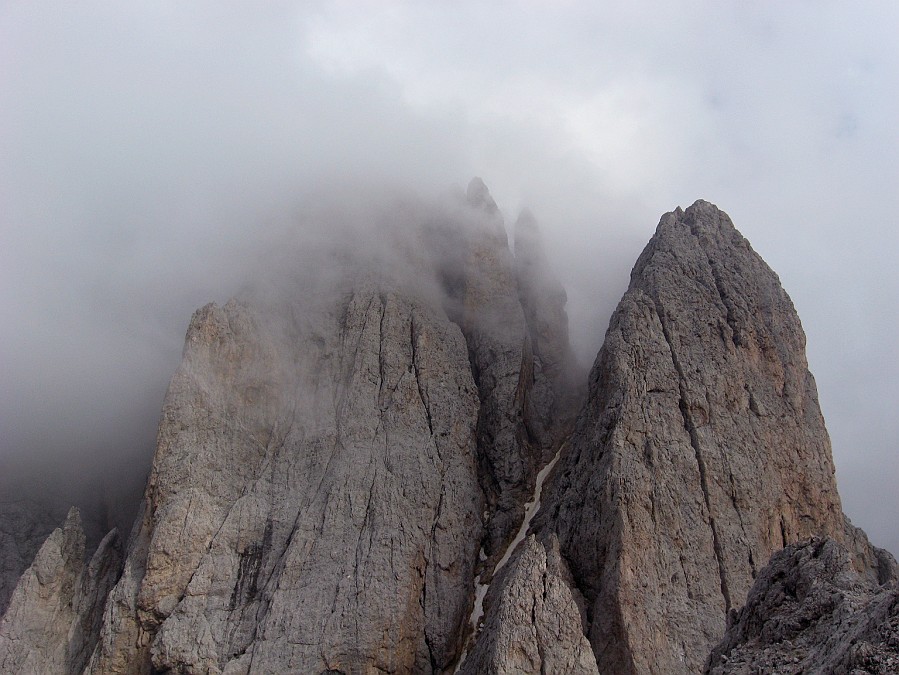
(53, 619)
(479, 196)
(701, 444)
(811, 611)
(349, 464)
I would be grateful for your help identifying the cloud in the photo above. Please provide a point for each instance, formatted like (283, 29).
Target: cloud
(151, 155)
(152, 152)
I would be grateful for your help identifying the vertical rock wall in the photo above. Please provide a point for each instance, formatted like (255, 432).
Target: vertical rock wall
(316, 498)
(314, 501)
(700, 451)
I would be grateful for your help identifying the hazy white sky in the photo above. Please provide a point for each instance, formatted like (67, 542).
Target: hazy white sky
(149, 150)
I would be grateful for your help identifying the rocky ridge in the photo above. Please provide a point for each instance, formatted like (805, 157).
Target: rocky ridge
(811, 611)
(344, 456)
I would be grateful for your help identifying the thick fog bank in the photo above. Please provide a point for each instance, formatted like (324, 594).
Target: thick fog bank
(153, 154)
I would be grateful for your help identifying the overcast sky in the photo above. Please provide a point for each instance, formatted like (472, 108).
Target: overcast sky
(150, 151)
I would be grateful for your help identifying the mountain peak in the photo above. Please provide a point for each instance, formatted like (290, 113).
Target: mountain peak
(366, 473)
(479, 196)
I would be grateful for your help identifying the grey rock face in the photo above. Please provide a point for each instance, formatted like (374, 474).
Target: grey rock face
(534, 624)
(810, 610)
(336, 447)
(700, 451)
(315, 502)
(53, 618)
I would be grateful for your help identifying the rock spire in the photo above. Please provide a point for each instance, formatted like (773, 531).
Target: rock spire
(380, 461)
(701, 449)
(54, 615)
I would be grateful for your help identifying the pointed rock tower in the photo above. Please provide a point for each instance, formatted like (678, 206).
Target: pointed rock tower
(54, 614)
(701, 450)
(351, 455)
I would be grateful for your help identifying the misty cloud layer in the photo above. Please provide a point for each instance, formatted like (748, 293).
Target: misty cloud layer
(154, 155)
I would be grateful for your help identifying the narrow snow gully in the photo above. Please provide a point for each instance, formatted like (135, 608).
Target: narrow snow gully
(531, 509)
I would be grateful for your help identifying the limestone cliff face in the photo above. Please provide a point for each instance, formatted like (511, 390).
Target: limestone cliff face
(314, 501)
(700, 451)
(316, 498)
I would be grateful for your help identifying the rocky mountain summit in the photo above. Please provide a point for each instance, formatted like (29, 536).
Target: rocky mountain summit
(811, 611)
(380, 459)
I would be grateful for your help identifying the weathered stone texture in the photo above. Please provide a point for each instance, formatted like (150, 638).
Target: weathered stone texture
(339, 443)
(534, 622)
(314, 501)
(811, 611)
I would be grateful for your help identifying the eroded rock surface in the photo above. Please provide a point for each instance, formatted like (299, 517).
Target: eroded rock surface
(534, 624)
(339, 442)
(811, 611)
(314, 501)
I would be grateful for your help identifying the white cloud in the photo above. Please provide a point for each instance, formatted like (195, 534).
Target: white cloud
(146, 145)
